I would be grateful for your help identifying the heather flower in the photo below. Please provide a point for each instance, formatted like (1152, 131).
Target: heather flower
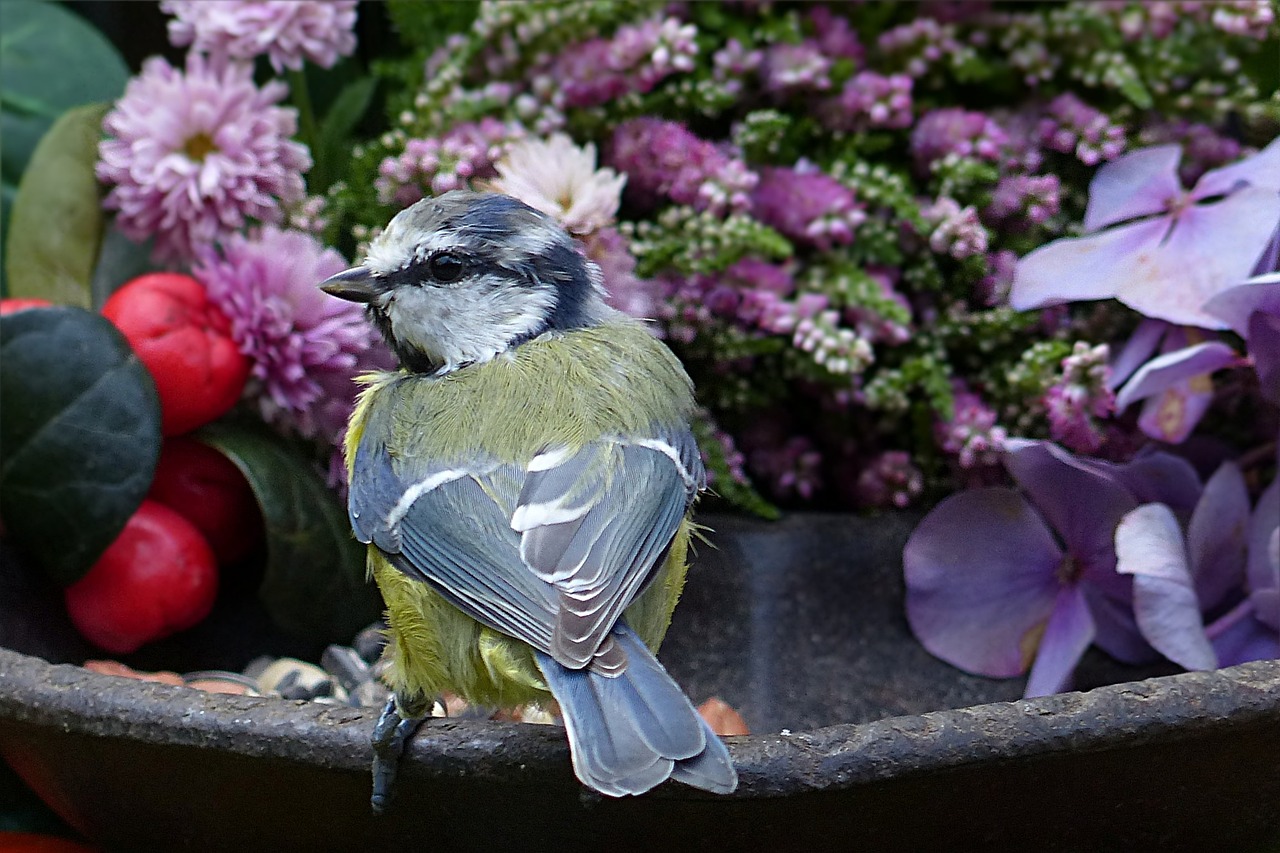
(561, 180)
(1025, 198)
(1249, 18)
(919, 44)
(663, 159)
(991, 590)
(792, 468)
(194, 156)
(626, 292)
(306, 347)
(791, 68)
(952, 130)
(971, 434)
(1080, 397)
(1156, 247)
(733, 62)
(957, 230)
(1073, 127)
(467, 152)
(1203, 148)
(837, 348)
(636, 59)
(870, 100)
(287, 31)
(834, 35)
(807, 206)
(890, 480)
(994, 287)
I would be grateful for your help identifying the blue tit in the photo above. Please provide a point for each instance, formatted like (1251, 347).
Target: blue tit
(524, 483)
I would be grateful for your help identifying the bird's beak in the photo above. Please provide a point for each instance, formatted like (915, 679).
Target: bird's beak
(355, 285)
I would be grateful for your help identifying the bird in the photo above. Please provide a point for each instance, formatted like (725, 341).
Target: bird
(524, 482)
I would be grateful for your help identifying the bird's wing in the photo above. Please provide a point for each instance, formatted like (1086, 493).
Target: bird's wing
(448, 527)
(551, 553)
(595, 523)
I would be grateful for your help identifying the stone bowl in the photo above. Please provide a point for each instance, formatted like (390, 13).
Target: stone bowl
(861, 739)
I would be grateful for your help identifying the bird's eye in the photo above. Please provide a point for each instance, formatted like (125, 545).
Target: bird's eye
(446, 267)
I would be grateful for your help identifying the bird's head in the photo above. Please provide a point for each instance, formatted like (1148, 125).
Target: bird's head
(458, 279)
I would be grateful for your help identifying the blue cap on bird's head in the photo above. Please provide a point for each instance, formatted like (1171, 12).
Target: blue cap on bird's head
(457, 279)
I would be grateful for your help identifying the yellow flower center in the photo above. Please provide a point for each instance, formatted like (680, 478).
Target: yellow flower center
(199, 146)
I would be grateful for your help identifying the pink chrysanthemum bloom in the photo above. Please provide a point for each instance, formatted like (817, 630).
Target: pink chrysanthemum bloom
(306, 346)
(561, 180)
(287, 31)
(193, 156)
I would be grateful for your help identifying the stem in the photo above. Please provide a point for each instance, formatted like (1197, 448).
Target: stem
(301, 98)
(1232, 617)
(1257, 456)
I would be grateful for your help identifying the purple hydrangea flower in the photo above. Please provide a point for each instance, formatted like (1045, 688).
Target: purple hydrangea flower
(1203, 148)
(194, 156)
(287, 31)
(306, 347)
(1073, 127)
(991, 590)
(953, 130)
(1252, 310)
(807, 206)
(663, 159)
(1156, 247)
(1251, 629)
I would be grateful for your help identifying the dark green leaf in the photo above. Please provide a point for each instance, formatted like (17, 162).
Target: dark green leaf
(333, 146)
(50, 60)
(79, 435)
(315, 583)
(57, 217)
(119, 260)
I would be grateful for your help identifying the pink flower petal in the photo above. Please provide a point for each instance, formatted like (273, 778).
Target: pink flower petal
(1149, 546)
(1082, 268)
(1212, 247)
(981, 583)
(1261, 170)
(1066, 637)
(1141, 183)
(1216, 536)
(1181, 365)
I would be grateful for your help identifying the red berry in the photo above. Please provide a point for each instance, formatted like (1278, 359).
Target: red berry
(8, 306)
(157, 578)
(185, 341)
(207, 489)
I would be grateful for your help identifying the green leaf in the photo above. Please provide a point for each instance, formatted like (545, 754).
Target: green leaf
(333, 144)
(79, 435)
(51, 59)
(315, 584)
(57, 217)
(119, 260)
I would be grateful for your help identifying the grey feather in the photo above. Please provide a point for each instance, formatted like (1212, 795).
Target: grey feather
(631, 732)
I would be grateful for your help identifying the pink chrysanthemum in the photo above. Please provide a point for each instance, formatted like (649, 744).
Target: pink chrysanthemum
(287, 31)
(194, 156)
(306, 346)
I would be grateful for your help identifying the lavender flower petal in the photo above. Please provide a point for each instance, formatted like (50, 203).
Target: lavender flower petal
(1137, 350)
(1149, 546)
(1082, 268)
(1216, 536)
(1142, 183)
(1115, 630)
(1163, 371)
(1261, 170)
(1245, 639)
(981, 581)
(1235, 305)
(1066, 637)
(1263, 567)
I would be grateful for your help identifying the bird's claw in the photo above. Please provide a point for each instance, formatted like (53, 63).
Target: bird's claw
(395, 725)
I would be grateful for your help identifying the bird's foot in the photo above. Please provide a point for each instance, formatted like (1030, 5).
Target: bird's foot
(396, 724)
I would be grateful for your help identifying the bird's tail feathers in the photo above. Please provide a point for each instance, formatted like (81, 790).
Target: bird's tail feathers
(630, 732)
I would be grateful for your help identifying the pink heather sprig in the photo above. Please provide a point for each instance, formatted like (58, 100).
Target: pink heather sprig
(732, 63)
(792, 68)
(195, 155)
(957, 230)
(870, 100)
(734, 459)
(869, 323)
(663, 159)
(793, 468)
(635, 59)
(287, 31)
(807, 206)
(834, 35)
(626, 292)
(436, 165)
(890, 480)
(837, 348)
(994, 288)
(957, 131)
(919, 44)
(1081, 396)
(309, 215)
(1071, 126)
(1249, 18)
(1025, 198)
(972, 434)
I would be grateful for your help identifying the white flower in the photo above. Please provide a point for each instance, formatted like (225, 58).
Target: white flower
(561, 180)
